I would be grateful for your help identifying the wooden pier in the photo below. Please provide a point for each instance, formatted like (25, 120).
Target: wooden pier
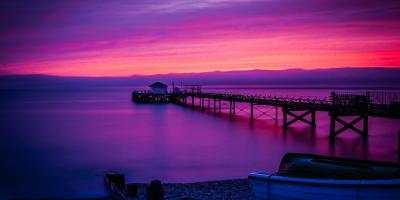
(338, 106)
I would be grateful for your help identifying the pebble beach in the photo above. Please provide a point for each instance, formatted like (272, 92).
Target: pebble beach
(235, 189)
(228, 189)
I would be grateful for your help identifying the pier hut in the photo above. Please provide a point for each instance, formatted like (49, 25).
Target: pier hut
(159, 88)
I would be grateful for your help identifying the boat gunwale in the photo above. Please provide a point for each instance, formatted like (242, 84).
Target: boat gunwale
(359, 183)
(338, 159)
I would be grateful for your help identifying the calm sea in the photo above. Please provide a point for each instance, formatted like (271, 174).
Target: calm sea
(60, 143)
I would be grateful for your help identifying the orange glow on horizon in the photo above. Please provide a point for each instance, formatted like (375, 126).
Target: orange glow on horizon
(122, 67)
(217, 54)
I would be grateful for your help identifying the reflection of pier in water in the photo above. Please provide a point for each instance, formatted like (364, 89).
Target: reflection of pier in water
(340, 106)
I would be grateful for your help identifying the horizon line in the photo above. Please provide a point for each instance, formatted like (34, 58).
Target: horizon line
(205, 72)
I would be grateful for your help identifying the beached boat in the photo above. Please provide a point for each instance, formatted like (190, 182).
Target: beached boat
(307, 176)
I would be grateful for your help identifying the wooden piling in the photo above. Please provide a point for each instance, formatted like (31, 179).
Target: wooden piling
(132, 190)
(313, 118)
(365, 125)
(215, 104)
(230, 107)
(234, 107)
(332, 129)
(155, 191)
(251, 110)
(398, 138)
(117, 179)
(284, 111)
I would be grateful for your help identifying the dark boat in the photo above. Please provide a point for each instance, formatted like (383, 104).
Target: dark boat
(308, 176)
(326, 167)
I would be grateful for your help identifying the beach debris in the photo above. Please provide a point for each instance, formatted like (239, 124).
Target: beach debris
(131, 190)
(155, 191)
(117, 179)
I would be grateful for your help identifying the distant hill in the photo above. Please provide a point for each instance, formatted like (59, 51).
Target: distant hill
(351, 77)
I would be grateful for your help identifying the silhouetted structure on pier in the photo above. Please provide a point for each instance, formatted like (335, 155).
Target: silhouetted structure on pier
(339, 105)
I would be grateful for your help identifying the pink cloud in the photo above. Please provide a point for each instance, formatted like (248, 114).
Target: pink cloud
(207, 36)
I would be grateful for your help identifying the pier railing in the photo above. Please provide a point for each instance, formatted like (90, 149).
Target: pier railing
(385, 97)
(337, 98)
(264, 98)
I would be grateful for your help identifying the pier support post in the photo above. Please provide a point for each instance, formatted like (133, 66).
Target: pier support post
(365, 125)
(284, 111)
(251, 110)
(230, 107)
(220, 105)
(192, 101)
(234, 107)
(215, 104)
(332, 127)
(398, 138)
(313, 118)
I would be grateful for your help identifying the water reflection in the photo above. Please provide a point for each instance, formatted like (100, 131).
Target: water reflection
(69, 140)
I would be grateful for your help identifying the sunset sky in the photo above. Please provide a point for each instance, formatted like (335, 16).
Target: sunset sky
(121, 38)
